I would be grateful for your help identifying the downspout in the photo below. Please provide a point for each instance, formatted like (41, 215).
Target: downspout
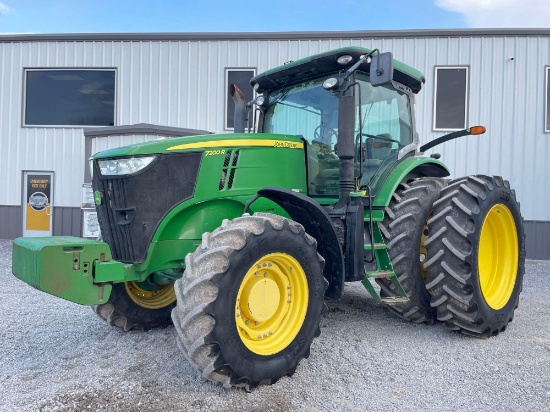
(240, 108)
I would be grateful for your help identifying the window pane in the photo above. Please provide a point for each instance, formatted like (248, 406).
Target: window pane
(70, 98)
(241, 78)
(450, 98)
(384, 111)
(386, 129)
(309, 111)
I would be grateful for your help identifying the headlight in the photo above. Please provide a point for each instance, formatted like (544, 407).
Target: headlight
(330, 84)
(124, 166)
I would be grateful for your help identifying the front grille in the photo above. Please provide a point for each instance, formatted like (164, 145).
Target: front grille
(133, 206)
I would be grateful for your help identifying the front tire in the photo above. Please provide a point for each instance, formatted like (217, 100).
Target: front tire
(138, 306)
(250, 301)
(477, 255)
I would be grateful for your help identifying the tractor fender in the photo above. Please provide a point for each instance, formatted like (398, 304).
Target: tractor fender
(316, 223)
(409, 168)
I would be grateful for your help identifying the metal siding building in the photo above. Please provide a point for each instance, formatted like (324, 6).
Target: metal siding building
(178, 80)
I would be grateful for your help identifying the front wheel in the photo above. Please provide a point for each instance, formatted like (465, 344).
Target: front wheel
(250, 301)
(476, 251)
(138, 306)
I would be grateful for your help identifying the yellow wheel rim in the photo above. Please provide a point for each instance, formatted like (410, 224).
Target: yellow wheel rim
(151, 299)
(498, 256)
(271, 304)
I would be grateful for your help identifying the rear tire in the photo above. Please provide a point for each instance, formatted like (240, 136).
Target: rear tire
(404, 229)
(250, 301)
(477, 255)
(131, 307)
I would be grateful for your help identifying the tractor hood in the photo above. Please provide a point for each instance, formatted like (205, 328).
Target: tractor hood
(203, 143)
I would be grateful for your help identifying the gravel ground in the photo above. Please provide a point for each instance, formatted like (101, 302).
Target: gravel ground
(57, 355)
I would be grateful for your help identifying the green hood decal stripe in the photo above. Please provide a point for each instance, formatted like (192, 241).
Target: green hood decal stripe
(286, 144)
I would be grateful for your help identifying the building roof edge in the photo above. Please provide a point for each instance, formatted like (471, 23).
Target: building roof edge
(296, 35)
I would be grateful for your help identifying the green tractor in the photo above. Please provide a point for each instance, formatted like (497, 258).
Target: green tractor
(238, 239)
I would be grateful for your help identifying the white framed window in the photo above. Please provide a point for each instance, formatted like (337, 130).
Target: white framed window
(69, 97)
(451, 98)
(547, 101)
(240, 76)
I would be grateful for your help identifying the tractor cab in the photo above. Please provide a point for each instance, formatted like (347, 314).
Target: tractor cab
(373, 129)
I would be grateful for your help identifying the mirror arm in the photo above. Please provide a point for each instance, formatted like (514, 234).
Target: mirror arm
(445, 138)
(361, 60)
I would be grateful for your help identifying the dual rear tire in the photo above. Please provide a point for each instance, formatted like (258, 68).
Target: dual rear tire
(470, 235)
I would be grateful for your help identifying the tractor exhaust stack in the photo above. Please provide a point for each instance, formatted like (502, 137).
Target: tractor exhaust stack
(240, 108)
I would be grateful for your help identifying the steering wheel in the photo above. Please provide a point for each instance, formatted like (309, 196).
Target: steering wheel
(317, 132)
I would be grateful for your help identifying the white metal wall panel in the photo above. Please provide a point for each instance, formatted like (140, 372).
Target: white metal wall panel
(181, 83)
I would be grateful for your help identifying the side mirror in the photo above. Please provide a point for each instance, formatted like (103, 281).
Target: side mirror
(381, 69)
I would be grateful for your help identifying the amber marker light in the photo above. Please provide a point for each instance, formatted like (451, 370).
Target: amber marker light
(477, 129)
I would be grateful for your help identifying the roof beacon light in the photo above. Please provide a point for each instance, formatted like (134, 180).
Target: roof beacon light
(344, 59)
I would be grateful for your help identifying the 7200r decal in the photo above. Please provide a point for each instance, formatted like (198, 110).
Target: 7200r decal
(214, 152)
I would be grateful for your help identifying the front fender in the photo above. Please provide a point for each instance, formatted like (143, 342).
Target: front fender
(192, 221)
(316, 223)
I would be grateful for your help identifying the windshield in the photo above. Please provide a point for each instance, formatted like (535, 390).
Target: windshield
(309, 111)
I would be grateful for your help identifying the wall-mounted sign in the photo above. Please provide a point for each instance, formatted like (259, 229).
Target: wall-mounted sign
(87, 196)
(38, 193)
(90, 225)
